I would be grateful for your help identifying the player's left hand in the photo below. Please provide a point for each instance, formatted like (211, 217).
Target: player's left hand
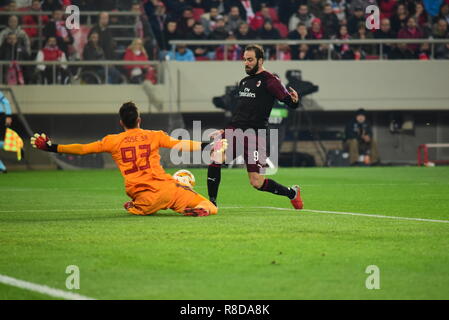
(219, 150)
(293, 94)
(40, 141)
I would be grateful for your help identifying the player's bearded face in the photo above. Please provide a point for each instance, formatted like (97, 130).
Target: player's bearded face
(252, 70)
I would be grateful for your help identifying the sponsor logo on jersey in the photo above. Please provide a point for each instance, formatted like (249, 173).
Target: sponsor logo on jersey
(247, 93)
(258, 83)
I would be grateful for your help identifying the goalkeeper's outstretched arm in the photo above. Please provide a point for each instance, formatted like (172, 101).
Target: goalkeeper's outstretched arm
(43, 142)
(217, 147)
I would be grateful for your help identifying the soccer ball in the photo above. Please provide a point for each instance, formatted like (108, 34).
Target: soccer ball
(185, 177)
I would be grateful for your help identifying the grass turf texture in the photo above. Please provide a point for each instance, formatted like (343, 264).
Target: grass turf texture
(52, 219)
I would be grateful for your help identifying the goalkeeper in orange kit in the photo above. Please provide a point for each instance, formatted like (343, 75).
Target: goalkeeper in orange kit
(136, 153)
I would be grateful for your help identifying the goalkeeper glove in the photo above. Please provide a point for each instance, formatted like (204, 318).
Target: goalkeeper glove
(42, 142)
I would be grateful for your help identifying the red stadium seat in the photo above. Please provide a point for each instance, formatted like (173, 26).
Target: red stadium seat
(197, 13)
(282, 28)
(371, 57)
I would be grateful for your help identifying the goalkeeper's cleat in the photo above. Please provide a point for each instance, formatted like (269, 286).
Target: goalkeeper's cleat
(196, 212)
(40, 141)
(297, 201)
(128, 205)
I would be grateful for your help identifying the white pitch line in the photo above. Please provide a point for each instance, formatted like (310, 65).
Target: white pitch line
(58, 210)
(272, 208)
(52, 292)
(343, 213)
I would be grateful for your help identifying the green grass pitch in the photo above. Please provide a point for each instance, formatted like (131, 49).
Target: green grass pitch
(250, 250)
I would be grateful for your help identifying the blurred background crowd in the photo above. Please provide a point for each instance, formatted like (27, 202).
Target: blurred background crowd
(144, 34)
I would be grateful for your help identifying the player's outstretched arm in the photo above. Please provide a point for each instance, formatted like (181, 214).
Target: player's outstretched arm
(43, 142)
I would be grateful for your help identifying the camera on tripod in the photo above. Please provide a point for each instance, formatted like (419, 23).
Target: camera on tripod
(228, 101)
(295, 81)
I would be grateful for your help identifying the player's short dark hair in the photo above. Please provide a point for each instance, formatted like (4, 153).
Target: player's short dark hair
(129, 114)
(258, 50)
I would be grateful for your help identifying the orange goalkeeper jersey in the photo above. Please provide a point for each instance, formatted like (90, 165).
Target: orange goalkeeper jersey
(136, 153)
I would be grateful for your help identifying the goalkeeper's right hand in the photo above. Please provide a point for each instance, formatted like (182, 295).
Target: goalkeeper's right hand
(41, 141)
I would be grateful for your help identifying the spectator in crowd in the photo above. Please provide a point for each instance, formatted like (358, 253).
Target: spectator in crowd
(234, 51)
(209, 20)
(234, 20)
(424, 51)
(421, 18)
(300, 33)
(138, 73)
(401, 52)
(143, 30)
(319, 52)
(158, 19)
(12, 50)
(440, 30)
(10, 7)
(13, 27)
(182, 53)
(302, 15)
(316, 31)
(385, 32)
(360, 4)
(354, 20)
(284, 53)
(86, 5)
(107, 42)
(32, 21)
(316, 7)
(342, 34)
(411, 5)
(285, 9)
(219, 4)
(304, 53)
(261, 16)
(359, 140)
(51, 52)
(244, 32)
(56, 28)
(94, 52)
(200, 51)
(52, 5)
(364, 34)
(411, 31)
(442, 52)
(339, 7)
(170, 33)
(247, 8)
(399, 19)
(185, 24)
(329, 20)
(269, 33)
(444, 12)
(355, 52)
(219, 32)
(387, 7)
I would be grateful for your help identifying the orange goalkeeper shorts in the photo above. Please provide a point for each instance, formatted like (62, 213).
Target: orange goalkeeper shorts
(170, 195)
